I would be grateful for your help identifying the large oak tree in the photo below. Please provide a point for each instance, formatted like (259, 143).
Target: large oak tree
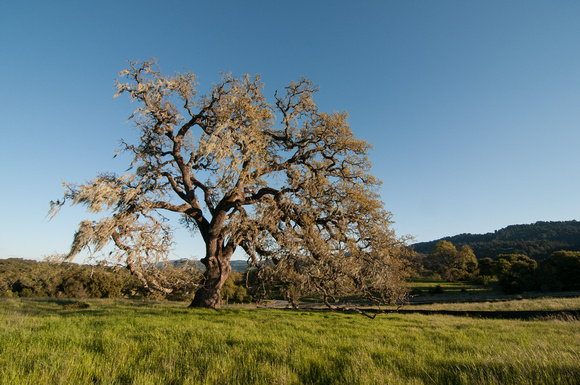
(288, 184)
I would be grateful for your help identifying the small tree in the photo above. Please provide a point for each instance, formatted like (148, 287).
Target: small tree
(285, 182)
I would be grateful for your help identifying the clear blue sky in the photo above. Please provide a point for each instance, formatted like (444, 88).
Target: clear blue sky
(473, 107)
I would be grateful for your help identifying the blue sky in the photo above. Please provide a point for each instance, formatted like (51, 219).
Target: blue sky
(473, 108)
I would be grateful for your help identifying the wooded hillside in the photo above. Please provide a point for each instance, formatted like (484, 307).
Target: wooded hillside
(538, 240)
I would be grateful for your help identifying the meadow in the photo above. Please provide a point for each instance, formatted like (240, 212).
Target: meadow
(137, 342)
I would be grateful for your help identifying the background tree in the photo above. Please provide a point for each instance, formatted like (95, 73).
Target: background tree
(561, 271)
(233, 289)
(454, 264)
(486, 267)
(516, 273)
(283, 181)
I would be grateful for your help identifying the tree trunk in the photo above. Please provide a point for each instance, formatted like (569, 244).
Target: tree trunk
(207, 296)
(217, 271)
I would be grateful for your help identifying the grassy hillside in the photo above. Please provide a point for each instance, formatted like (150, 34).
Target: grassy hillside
(130, 342)
(538, 240)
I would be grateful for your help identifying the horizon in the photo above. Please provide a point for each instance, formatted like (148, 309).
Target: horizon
(236, 257)
(471, 108)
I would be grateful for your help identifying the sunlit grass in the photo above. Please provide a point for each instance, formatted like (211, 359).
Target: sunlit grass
(123, 342)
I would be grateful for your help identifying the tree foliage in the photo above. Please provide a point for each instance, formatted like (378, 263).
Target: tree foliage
(453, 264)
(561, 271)
(516, 273)
(234, 290)
(287, 183)
(26, 278)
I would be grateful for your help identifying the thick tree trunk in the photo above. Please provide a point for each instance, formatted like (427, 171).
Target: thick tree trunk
(216, 262)
(217, 272)
(208, 297)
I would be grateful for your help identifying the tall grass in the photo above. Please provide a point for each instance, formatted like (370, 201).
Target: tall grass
(123, 342)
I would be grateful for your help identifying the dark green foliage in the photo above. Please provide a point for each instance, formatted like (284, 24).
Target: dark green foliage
(93, 282)
(486, 267)
(482, 280)
(105, 284)
(561, 271)
(436, 290)
(538, 241)
(27, 278)
(74, 286)
(415, 292)
(516, 273)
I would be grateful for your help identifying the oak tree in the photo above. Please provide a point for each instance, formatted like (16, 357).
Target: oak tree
(453, 264)
(288, 184)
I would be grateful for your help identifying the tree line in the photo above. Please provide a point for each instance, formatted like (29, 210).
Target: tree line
(514, 273)
(518, 273)
(29, 278)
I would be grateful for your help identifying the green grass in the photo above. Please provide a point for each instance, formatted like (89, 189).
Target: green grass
(124, 342)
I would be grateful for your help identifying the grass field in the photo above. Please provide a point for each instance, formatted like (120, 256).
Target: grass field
(129, 342)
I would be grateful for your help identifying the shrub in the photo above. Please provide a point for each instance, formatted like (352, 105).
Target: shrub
(483, 280)
(415, 292)
(436, 290)
(104, 284)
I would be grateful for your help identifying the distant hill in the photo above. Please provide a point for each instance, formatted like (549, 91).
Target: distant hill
(538, 240)
(239, 265)
(236, 265)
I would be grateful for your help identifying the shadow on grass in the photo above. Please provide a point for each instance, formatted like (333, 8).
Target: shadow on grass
(568, 315)
(71, 307)
(452, 372)
(500, 314)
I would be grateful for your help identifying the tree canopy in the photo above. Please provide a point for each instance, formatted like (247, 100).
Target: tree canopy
(453, 264)
(287, 183)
